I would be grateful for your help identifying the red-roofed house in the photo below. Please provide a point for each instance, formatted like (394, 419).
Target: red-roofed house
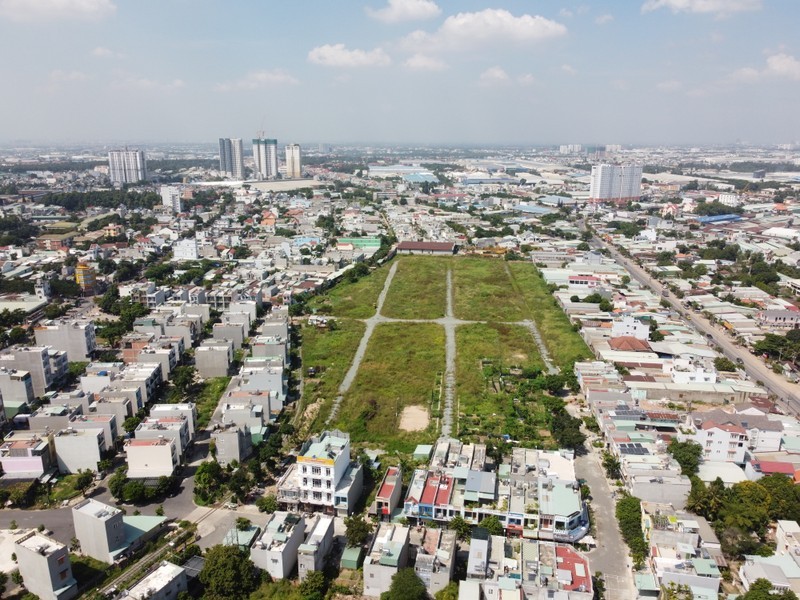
(628, 343)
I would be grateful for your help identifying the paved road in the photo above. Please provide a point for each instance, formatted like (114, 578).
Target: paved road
(610, 557)
(449, 359)
(788, 393)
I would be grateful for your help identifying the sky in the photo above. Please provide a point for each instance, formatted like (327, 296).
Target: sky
(401, 71)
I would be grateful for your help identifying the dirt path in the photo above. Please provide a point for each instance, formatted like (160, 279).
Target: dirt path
(362, 346)
(449, 322)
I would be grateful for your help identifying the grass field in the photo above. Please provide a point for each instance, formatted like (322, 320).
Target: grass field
(355, 300)
(334, 351)
(419, 288)
(482, 291)
(208, 398)
(564, 344)
(400, 369)
(506, 346)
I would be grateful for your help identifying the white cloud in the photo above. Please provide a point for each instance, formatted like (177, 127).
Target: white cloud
(565, 13)
(493, 76)
(744, 75)
(51, 10)
(257, 80)
(603, 19)
(467, 30)
(103, 52)
(59, 76)
(526, 79)
(778, 66)
(719, 8)
(783, 65)
(398, 11)
(132, 82)
(421, 62)
(337, 55)
(670, 85)
(569, 69)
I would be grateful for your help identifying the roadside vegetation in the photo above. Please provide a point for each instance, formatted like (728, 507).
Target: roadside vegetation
(356, 299)
(564, 344)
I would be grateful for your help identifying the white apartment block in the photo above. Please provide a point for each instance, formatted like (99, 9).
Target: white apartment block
(149, 459)
(45, 567)
(185, 249)
(173, 427)
(323, 476)
(387, 555)
(265, 156)
(294, 169)
(615, 183)
(100, 530)
(76, 338)
(165, 583)
(78, 450)
(313, 552)
(171, 198)
(127, 166)
(186, 409)
(276, 550)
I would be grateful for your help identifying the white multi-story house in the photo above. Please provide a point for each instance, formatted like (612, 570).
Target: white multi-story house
(323, 476)
(387, 555)
(45, 567)
(276, 550)
(151, 458)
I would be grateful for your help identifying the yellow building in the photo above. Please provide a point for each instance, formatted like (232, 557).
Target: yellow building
(85, 277)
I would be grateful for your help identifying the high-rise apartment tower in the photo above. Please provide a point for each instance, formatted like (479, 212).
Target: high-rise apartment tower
(615, 183)
(127, 166)
(265, 154)
(294, 168)
(231, 157)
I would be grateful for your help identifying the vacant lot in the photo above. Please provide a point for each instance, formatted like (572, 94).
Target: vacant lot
(483, 292)
(400, 369)
(419, 288)
(356, 300)
(564, 344)
(485, 350)
(331, 352)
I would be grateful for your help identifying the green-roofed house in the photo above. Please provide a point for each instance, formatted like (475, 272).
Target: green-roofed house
(107, 535)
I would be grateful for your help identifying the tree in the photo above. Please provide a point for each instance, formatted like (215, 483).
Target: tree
(116, 483)
(357, 530)
(448, 593)
(687, 454)
(228, 573)
(761, 589)
(3, 582)
(723, 364)
(243, 523)
(629, 516)
(183, 378)
(674, 591)
(84, 480)
(612, 466)
(131, 423)
(268, 503)
(313, 586)
(406, 586)
(134, 491)
(748, 507)
(461, 527)
(492, 524)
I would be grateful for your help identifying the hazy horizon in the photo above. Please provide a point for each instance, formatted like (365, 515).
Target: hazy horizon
(410, 72)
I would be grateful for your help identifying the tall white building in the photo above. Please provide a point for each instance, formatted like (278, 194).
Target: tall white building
(171, 198)
(127, 166)
(615, 183)
(45, 567)
(293, 166)
(265, 155)
(231, 157)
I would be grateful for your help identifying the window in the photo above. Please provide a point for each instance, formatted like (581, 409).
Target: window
(317, 495)
(316, 483)
(327, 472)
(63, 575)
(305, 469)
(316, 470)
(61, 560)
(328, 484)
(305, 480)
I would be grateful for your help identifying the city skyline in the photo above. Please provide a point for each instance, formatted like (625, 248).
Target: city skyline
(401, 71)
